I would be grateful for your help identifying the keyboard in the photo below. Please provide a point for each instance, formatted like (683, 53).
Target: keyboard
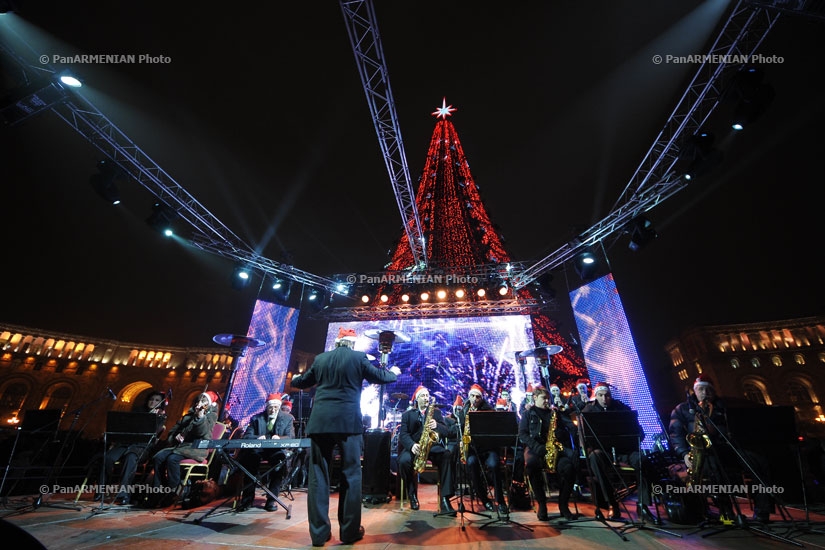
(252, 443)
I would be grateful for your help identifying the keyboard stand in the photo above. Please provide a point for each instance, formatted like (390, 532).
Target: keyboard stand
(235, 464)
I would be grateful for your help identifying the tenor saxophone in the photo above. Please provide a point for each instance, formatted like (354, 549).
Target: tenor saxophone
(428, 437)
(699, 442)
(553, 446)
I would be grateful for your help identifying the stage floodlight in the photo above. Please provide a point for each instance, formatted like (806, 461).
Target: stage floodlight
(503, 289)
(317, 299)
(424, 296)
(441, 294)
(103, 182)
(641, 233)
(752, 95)
(585, 264)
(162, 218)
(405, 297)
(281, 289)
(697, 155)
(365, 298)
(481, 292)
(460, 293)
(241, 277)
(384, 298)
(69, 80)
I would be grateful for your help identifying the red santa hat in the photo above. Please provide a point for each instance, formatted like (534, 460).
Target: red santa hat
(702, 380)
(476, 387)
(459, 401)
(529, 390)
(418, 390)
(501, 404)
(584, 381)
(554, 386)
(601, 387)
(212, 397)
(274, 397)
(346, 334)
(287, 404)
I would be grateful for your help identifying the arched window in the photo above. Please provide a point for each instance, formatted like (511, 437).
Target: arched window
(798, 393)
(13, 397)
(58, 398)
(734, 363)
(754, 393)
(776, 361)
(755, 363)
(799, 359)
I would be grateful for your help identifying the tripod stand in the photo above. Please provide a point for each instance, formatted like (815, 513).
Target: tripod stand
(35, 422)
(804, 527)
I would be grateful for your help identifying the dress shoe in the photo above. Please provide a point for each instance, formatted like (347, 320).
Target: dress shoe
(646, 515)
(616, 512)
(503, 509)
(414, 502)
(246, 503)
(541, 512)
(358, 537)
(762, 517)
(489, 506)
(270, 506)
(122, 500)
(329, 537)
(566, 513)
(446, 507)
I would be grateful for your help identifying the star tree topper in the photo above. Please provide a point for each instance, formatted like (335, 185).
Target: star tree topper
(444, 111)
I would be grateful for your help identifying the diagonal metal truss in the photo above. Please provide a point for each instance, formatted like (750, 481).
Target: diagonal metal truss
(362, 28)
(655, 179)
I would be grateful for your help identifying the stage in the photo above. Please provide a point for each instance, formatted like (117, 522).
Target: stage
(388, 526)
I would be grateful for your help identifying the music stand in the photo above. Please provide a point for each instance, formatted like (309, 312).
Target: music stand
(125, 428)
(493, 430)
(35, 421)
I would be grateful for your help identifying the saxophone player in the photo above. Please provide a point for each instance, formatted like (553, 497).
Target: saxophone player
(534, 431)
(720, 455)
(411, 430)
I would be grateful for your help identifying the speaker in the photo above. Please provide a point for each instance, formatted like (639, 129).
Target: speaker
(22, 539)
(375, 477)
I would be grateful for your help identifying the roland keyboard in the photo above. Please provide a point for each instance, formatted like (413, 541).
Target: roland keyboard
(252, 443)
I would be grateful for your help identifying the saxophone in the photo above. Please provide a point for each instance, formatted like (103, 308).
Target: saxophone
(553, 446)
(699, 441)
(464, 444)
(428, 437)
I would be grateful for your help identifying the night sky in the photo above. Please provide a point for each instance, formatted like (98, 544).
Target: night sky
(260, 114)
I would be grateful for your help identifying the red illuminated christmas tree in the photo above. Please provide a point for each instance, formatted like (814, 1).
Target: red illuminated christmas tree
(461, 238)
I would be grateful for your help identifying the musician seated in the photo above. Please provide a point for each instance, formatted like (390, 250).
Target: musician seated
(533, 433)
(131, 455)
(196, 424)
(410, 450)
(601, 463)
(715, 462)
(272, 423)
(492, 473)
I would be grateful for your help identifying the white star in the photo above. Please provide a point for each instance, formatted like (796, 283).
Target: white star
(444, 111)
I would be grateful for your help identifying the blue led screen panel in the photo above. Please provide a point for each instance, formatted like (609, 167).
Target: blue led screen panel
(447, 356)
(263, 369)
(610, 352)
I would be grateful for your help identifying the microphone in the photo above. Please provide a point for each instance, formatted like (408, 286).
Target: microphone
(691, 410)
(112, 394)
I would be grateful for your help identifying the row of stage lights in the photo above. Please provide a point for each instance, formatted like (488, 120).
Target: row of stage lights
(439, 295)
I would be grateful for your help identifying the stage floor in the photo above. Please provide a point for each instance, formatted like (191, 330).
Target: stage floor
(388, 526)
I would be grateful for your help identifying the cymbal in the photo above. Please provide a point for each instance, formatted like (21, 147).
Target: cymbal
(237, 340)
(400, 396)
(549, 350)
(375, 333)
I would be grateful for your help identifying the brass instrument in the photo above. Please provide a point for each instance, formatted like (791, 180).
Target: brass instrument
(464, 444)
(553, 446)
(699, 442)
(428, 437)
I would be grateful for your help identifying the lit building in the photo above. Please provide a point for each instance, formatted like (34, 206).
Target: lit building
(770, 363)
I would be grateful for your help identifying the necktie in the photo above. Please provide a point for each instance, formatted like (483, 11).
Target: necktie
(270, 425)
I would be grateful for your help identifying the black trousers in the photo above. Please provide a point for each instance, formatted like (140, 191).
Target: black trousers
(278, 468)
(442, 458)
(492, 474)
(534, 467)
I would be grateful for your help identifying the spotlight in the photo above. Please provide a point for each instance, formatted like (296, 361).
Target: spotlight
(365, 298)
(161, 218)
(104, 181)
(241, 277)
(405, 298)
(424, 296)
(503, 289)
(481, 292)
(384, 298)
(641, 232)
(281, 289)
(441, 294)
(69, 80)
(460, 293)
(317, 299)
(585, 265)
(697, 155)
(753, 97)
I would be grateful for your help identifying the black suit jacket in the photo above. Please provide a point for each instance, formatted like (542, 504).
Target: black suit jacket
(338, 375)
(411, 428)
(284, 426)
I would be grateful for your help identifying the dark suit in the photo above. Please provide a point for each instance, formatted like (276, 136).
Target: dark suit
(336, 420)
(278, 458)
(409, 433)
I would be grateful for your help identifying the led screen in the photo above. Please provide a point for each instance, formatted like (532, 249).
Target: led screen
(262, 370)
(609, 350)
(447, 356)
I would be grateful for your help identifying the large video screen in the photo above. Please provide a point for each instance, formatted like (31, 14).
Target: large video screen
(262, 370)
(446, 356)
(610, 352)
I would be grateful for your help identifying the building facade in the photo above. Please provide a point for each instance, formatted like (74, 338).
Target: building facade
(779, 363)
